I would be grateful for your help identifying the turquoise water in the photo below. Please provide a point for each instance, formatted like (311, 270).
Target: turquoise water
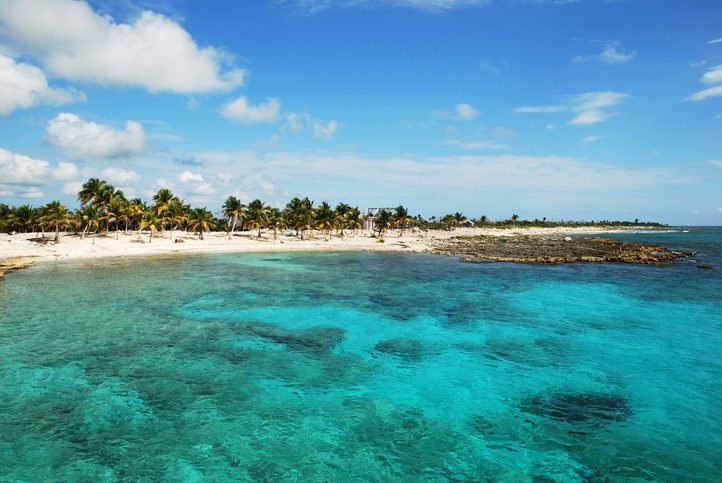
(362, 367)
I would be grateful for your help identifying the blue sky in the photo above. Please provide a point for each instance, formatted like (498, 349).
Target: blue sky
(570, 109)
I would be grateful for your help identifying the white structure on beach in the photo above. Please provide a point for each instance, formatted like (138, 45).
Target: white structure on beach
(371, 216)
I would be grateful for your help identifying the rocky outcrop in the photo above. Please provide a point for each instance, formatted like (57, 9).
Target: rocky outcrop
(555, 250)
(16, 263)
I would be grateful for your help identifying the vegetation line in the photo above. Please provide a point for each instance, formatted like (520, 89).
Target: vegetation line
(104, 208)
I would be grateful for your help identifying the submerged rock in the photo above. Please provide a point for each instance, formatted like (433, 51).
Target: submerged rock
(407, 349)
(593, 408)
(315, 339)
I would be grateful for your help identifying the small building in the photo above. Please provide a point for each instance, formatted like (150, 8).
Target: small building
(371, 216)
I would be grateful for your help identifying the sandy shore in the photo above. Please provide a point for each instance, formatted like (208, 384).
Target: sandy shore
(73, 247)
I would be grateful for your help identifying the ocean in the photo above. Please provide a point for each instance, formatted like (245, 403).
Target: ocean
(363, 367)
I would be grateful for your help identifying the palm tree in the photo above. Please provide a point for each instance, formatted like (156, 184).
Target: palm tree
(175, 215)
(257, 215)
(151, 222)
(325, 218)
(90, 217)
(201, 220)
(90, 191)
(55, 213)
(459, 219)
(514, 217)
(276, 222)
(233, 210)
(402, 218)
(299, 213)
(135, 213)
(341, 216)
(355, 219)
(107, 196)
(22, 218)
(304, 222)
(383, 221)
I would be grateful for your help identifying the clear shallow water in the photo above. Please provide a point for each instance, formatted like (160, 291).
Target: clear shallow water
(362, 367)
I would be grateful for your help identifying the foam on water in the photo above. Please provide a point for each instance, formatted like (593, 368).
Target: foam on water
(362, 366)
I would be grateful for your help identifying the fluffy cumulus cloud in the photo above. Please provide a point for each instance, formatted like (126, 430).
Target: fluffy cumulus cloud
(22, 176)
(119, 175)
(79, 138)
(194, 184)
(712, 77)
(18, 169)
(613, 53)
(589, 108)
(66, 171)
(241, 111)
(76, 43)
(24, 85)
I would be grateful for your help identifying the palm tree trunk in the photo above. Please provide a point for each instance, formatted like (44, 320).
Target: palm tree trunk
(57, 233)
(233, 227)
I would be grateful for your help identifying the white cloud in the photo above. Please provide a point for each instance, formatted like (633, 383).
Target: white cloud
(466, 112)
(711, 77)
(193, 184)
(76, 43)
(706, 94)
(18, 169)
(315, 6)
(188, 177)
(297, 121)
(716, 162)
(119, 175)
(502, 132)
(476, 144)
(613, 53)
(715, 41)
(31, 193)
(591, 139)
(590, 107)
(66, 171)
(79, 138)
(540, 109)
(240, 110)
(324, 131)
(72, 188)
(460, 174)
(24, 85)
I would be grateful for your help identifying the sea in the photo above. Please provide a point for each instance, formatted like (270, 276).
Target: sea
(364, 367)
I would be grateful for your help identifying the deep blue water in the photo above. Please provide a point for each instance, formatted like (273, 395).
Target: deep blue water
(363, 367)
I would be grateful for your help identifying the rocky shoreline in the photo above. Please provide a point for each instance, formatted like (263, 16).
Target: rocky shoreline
(543, 249)
(15, 263)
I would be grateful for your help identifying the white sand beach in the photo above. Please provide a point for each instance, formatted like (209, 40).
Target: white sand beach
(71, 246)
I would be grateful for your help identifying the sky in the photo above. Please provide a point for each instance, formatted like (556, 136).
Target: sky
(587, 109)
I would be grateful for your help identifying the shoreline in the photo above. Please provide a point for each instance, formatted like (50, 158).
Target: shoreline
(72, 247)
